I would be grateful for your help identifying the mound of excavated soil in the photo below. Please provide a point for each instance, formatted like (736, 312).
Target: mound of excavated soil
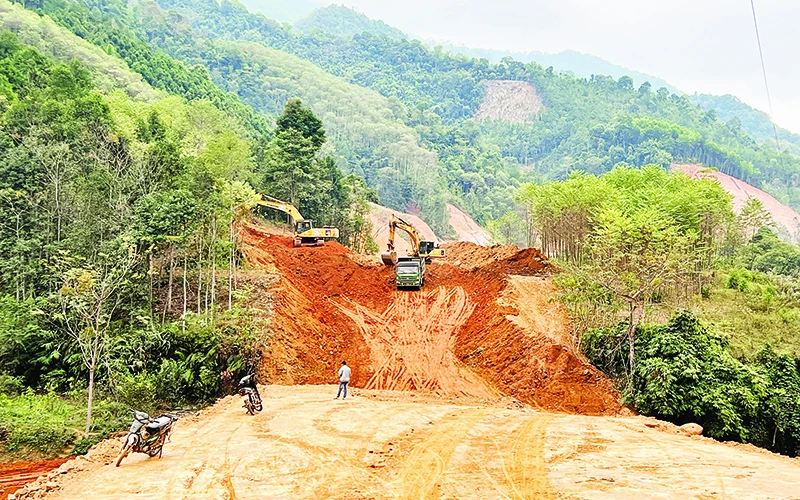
(506, 259)
(453, 338)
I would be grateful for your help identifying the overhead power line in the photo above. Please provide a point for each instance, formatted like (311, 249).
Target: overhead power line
(766, 83)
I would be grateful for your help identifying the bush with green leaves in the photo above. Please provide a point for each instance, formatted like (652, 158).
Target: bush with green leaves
(45, 425)
(685, 373)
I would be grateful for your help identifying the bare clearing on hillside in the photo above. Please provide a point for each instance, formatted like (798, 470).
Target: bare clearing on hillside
(489, 399)
(466, 228)
(783, 215)
(509, 100)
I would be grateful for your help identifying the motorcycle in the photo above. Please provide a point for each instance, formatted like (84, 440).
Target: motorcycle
(146, 435)
(251, 399)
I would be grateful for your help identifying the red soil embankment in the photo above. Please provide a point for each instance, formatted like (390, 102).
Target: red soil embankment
(453, 338)
(14, 475)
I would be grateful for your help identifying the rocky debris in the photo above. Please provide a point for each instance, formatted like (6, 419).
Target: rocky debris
(692, 429)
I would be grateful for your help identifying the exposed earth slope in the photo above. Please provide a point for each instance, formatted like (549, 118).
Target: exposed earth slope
(509, 100)
(453, 338)
(467, 229)
(466, 389)
(784, 216)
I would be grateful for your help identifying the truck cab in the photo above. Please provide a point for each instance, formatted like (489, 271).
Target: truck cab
(410, 272)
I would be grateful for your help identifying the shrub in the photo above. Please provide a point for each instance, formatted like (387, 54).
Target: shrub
(11, 386)
(685, 373)
(739, 279)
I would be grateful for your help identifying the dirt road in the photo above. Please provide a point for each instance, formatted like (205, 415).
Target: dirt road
(401, 445)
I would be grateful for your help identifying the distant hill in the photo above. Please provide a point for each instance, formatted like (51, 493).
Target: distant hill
(287, 11)
(341, 21)
(571, 61)
(756, 123)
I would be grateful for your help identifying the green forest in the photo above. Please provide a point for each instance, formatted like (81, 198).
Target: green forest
(134, 137)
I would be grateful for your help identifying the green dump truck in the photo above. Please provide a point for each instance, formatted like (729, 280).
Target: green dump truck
(410, 272)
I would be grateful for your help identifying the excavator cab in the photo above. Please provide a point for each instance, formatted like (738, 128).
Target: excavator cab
(304, 231)
(303, 226)
(430, 250)
(425, 248)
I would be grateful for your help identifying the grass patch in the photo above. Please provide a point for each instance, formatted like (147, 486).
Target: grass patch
(749, 329)
(43, 426)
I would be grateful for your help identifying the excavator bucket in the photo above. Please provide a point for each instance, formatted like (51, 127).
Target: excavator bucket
(389, 258)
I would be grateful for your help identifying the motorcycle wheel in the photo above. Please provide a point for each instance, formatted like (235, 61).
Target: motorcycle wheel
(126, 448)
(259, 407)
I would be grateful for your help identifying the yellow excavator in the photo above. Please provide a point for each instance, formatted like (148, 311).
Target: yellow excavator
(410, 270)
(304, 231)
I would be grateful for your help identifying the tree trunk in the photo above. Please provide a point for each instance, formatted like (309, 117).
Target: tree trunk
(150, 274)
(185, 289)
(168, 302)
(230, 267)
(199, 273)
(213, 269)
(89, 403)
(631, 341)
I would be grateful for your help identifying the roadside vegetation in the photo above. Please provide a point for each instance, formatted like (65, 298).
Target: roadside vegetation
(692, 308)
(120, 280)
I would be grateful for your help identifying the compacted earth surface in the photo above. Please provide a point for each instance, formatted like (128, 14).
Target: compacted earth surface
(401, 444)
(468, 388)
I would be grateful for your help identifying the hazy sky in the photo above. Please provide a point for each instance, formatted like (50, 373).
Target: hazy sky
(708, 46)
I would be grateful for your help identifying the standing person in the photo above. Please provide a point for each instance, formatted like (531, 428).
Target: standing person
(344, 379)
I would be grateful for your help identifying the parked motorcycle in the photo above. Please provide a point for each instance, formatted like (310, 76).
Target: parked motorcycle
(251, 399)
(146, 435)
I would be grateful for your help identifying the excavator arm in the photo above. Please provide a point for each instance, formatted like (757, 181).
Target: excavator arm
(419, 248)
(288, 208)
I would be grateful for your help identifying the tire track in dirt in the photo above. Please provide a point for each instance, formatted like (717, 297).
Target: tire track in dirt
(411, 342)
(427, 462)
(524, 463)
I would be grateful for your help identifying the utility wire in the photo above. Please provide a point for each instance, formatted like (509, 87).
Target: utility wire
(766, 84)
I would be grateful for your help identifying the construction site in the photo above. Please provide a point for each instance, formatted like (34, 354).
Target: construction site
(469, 387)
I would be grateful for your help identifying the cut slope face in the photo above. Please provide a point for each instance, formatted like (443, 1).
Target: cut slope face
(467, 229)
(411, 342)
(783, 215)
(509, 100)
(454, 338)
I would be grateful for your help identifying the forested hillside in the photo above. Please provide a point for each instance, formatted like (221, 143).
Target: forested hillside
(568, 61)
(588, 124)
(757, 123)
(341, 21)
(123, 176)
